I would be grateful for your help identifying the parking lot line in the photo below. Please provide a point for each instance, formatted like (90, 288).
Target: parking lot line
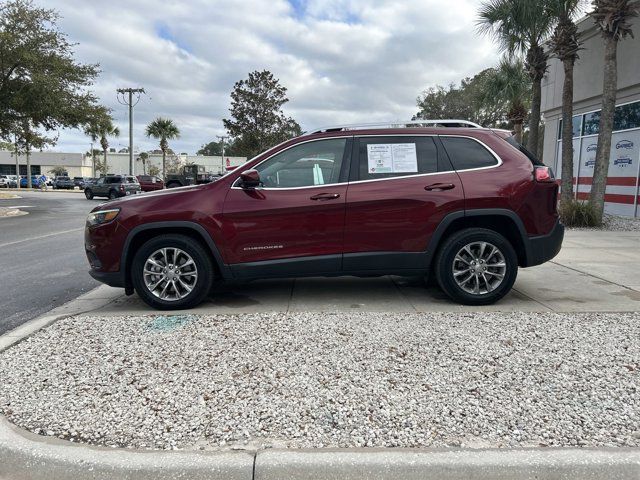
(39, 237)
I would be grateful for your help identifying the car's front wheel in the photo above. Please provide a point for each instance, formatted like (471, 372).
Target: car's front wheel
(172, 272)
(89, 194)
(476, 266)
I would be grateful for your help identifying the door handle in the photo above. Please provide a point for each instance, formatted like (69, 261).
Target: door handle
(439, 187)
(325, 196)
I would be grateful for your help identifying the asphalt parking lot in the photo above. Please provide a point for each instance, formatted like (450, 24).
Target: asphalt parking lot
(42, 261)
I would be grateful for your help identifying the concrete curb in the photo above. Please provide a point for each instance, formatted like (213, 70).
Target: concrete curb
(25, 456)
(28, 456)
(403, 464)
(92, 300)
(48, 190)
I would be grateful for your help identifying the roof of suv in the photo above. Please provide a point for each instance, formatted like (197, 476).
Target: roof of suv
(467, 131)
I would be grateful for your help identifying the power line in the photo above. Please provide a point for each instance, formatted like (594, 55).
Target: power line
(125, 97)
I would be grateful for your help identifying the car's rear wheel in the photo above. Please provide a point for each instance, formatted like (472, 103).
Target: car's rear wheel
(113, 195)
(172, 272)
(476, 266)
(89, 194)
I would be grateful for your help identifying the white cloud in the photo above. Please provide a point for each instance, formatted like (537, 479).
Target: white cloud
(341, 60)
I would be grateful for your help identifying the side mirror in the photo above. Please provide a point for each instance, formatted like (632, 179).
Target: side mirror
(250, 179)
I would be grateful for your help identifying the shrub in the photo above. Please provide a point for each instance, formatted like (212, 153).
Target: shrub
(578, 214)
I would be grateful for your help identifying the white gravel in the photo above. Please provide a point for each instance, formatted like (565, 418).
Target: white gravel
(616, 223)
(330, 380)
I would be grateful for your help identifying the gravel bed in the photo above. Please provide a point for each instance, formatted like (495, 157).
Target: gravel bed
(616, 223)
(330, 380)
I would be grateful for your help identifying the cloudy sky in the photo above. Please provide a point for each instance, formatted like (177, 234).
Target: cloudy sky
(342, 61)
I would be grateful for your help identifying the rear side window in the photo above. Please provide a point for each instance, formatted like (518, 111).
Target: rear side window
(466, 153)
(388, 157)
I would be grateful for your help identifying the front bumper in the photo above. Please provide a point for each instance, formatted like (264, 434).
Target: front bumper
(545, 247)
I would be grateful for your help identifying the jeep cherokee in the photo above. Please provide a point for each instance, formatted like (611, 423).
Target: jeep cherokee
(466, 204)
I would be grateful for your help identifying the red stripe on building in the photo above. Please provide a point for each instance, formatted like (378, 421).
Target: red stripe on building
(613, 181)
(610, 197)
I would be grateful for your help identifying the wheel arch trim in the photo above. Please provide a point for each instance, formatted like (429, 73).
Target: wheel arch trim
(445, 223)
(168, 225)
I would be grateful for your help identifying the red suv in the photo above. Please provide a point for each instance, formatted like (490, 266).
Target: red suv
(150, 183)
(467, 204)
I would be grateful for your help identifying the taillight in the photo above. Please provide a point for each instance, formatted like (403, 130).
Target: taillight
(544, 174)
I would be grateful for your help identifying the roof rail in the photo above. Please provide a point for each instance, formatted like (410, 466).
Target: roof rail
(398, 124)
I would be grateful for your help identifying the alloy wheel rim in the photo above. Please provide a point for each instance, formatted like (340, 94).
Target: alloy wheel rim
(170, 274)
(479, 268)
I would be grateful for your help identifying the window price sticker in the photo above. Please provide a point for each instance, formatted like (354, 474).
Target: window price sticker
(392, 158)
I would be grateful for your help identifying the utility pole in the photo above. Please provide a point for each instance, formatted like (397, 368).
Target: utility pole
(93, 162)
(125, 97)
(222, 139)
(17, 152)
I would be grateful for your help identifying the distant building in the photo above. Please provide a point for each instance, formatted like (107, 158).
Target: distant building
(624, 168)
(80, 165)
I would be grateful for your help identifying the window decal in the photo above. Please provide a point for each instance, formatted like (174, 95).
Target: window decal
(392, 158)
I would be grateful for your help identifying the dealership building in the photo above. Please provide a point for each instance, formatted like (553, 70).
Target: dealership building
(80, 165)
(624, 167)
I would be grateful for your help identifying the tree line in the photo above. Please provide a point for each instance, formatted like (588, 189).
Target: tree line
(521, 28)
(43, 89)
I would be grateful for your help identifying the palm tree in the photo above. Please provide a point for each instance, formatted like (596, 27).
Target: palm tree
(102, 129)
(613, 19)
(511, 83)
(163, 129)
(520, 27)
(565, 45)
(144, 156)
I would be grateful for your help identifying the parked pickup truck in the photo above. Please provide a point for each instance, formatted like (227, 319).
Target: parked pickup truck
(191, 175)
(113, 186)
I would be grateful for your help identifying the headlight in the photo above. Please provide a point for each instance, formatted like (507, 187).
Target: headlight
(102, 216)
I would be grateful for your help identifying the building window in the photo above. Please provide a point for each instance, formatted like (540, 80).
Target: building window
(627, 116)
(591, 125)
(577, 126)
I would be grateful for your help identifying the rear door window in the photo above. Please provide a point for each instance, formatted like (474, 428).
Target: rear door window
(466, 153)
(396, 156)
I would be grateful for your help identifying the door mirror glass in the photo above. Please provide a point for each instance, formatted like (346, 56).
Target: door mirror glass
(250, 179)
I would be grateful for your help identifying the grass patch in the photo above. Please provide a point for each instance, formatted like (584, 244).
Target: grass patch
(577, 214)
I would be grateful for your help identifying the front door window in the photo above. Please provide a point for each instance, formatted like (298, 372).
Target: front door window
(306, 165)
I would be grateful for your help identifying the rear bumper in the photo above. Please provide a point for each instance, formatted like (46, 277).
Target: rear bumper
(113, 279)
(543, 248)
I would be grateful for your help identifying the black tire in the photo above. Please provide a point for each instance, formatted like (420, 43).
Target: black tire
(444, 266)
(112, 195)
(173, 185)
(89, 194)
(203, 264)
